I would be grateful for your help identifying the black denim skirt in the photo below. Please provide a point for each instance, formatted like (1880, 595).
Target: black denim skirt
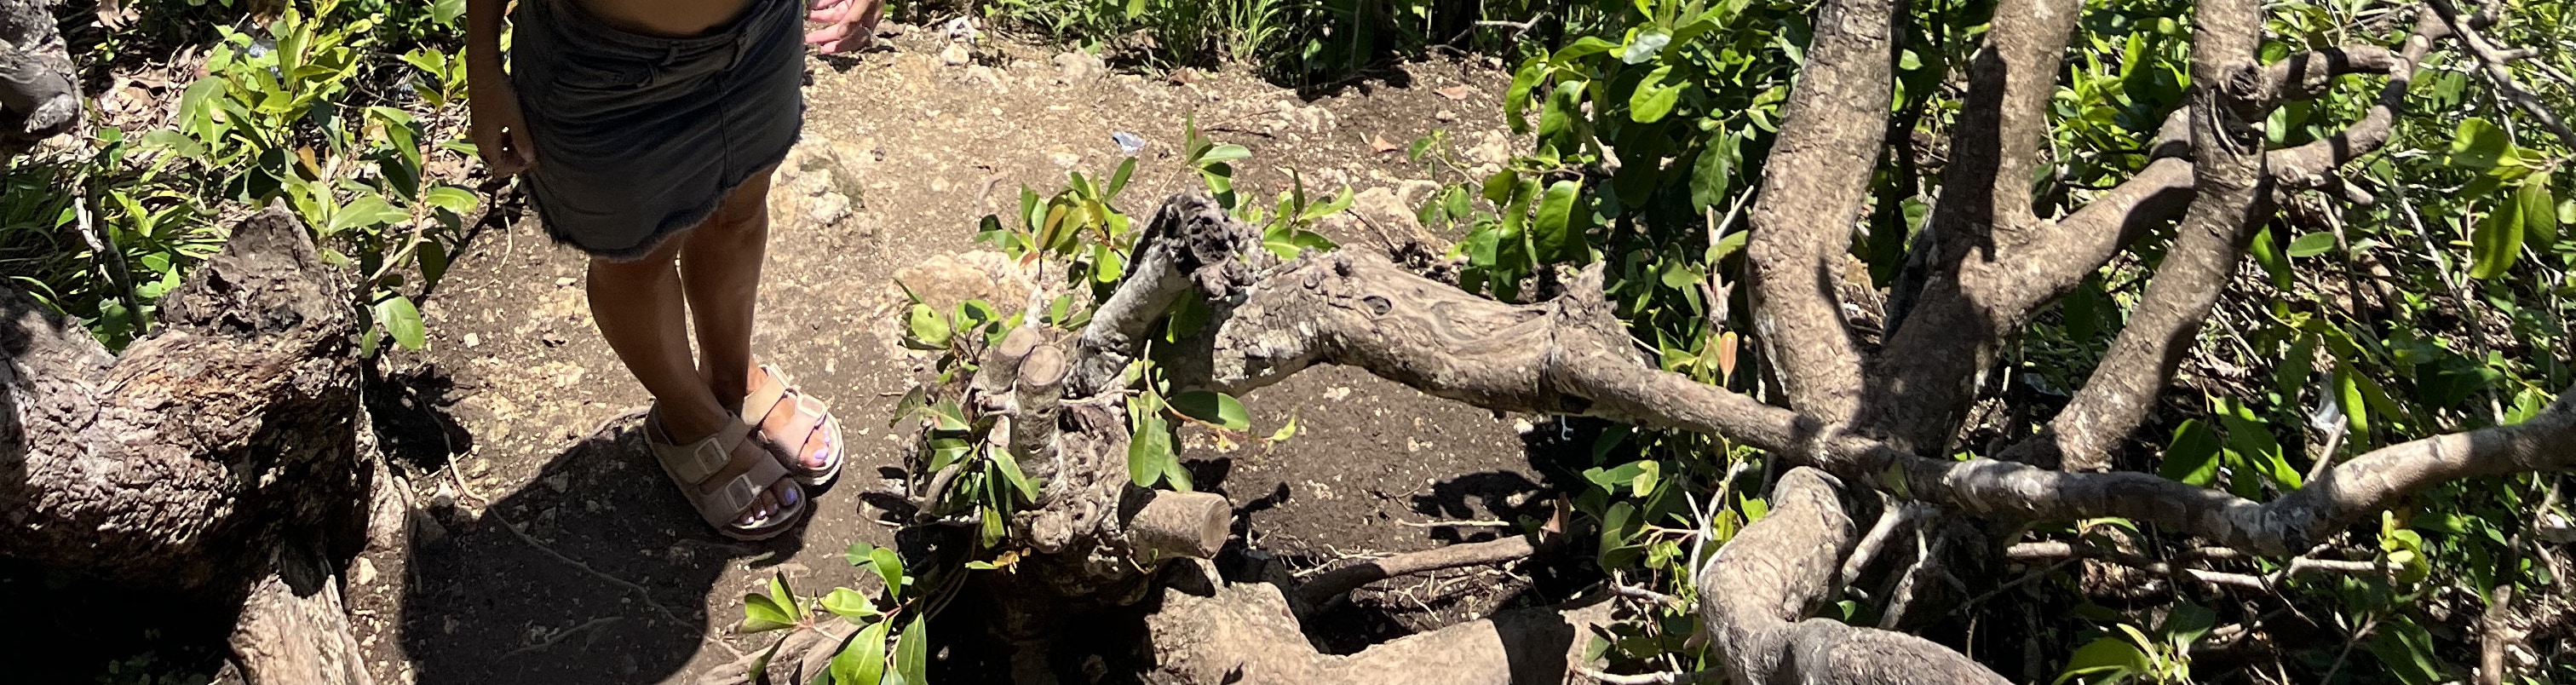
(640, 137)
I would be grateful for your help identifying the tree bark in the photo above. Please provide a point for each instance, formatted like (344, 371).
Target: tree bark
(220, 458)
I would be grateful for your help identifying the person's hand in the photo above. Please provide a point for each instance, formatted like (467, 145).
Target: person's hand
(853, 24)
(498, 127)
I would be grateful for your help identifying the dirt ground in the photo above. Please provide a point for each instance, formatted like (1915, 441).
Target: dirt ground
(560, 554)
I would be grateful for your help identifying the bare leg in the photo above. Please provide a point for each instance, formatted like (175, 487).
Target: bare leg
(720, 266)
(639, 308)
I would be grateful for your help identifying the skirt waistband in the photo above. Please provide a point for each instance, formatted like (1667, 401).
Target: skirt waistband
(579, 27)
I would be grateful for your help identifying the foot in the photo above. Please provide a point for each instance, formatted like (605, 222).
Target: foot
(794, 425)
(781, 496)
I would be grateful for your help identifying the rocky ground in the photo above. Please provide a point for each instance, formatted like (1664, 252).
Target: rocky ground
(555, 550)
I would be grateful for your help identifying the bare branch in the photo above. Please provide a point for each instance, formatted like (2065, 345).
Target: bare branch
(2491, 63)
(1340, 581)
(1815, 184)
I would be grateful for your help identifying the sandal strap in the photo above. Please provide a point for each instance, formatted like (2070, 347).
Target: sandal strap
(694, 463)
(764, 397)
(726, 503)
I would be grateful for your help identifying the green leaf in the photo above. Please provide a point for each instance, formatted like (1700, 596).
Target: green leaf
(762, 614)
(1010, 468)
(1516, 100)
(2539, 220)
(402, 320)
(2192, 457)
(925, 329)
(177, 143)
(2107, 658)
(779, 594)
(1213, 407)
(2478, 144)
(849, 604)
(453, 199)
(1149, 450)
(2252, 441)
(445, 12)
(2496, 241)
(1654, 97)
(862, 660)
(2312, 244)
(859, 553)
(2186, 623)
(1559, 119)
(1557, 235)
(1224, 153)
(1286, 431)
(1645, 46)
(912, 653)
(1584, 47)
(889, 567)
(364, 212)
(1713, 174)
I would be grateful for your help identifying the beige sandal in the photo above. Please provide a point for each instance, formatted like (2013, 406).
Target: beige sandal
(811, 415)
(692, 464)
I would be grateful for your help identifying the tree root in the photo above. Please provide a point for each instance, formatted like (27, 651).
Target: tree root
(1323, 589)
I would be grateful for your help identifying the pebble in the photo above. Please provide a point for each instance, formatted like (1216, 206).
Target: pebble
(472, 340)
(365, 572)
(955, 56)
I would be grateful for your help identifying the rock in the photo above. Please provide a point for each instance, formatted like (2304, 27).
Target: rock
(1414, 192)
(1077, 66)
(956, 56)
(1444, 116)
(945, 280)
(1381, 206)
(984, 75)
(364, 573)
(828, 209)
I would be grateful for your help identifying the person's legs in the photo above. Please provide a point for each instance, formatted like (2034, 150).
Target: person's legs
(720, 270)
(639, 308)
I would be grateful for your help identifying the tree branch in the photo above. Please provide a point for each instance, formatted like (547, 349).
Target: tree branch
(1775, 573)
(1815, 184)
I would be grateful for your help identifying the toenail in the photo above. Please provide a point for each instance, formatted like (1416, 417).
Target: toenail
(791, 497)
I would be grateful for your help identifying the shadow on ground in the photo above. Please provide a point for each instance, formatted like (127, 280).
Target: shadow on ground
(595, 572)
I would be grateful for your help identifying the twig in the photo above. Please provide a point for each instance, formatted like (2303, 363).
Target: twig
(1342, 580)
(2493, 62)
(1663, 678)
(630, 586)
(1458, 524)
(559, 635)
(1639, 592)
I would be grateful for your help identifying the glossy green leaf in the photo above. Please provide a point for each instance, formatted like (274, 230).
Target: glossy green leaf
(402, 320)
(762, 614)
(2192, 457)
(862, 661)
(1213, 407)
(912, 653)
(2539, 219)
(2312, 244)
(2107, 658)
(849, 604)
(925, 329)
(2496, 241)
(1645, 46)
(1516, 100)
(1655, 97)
(1149, 450)
(2478, 144)
(1558, 235)
(889, 568)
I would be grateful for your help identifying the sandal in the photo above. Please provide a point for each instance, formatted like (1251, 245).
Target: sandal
(811, 415)
(691, 465)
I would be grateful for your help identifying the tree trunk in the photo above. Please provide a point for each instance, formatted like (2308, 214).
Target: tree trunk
(222, 457)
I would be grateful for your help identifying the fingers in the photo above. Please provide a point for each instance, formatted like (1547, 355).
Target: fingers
(839, 38)
(509, 154)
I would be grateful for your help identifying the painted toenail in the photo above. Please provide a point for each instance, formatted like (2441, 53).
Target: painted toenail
(791, 497)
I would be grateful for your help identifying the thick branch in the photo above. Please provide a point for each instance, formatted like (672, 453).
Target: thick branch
(1816, 181)
(1191, 244)
(1776, 571)
(1954, 303)
(1246, 634)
